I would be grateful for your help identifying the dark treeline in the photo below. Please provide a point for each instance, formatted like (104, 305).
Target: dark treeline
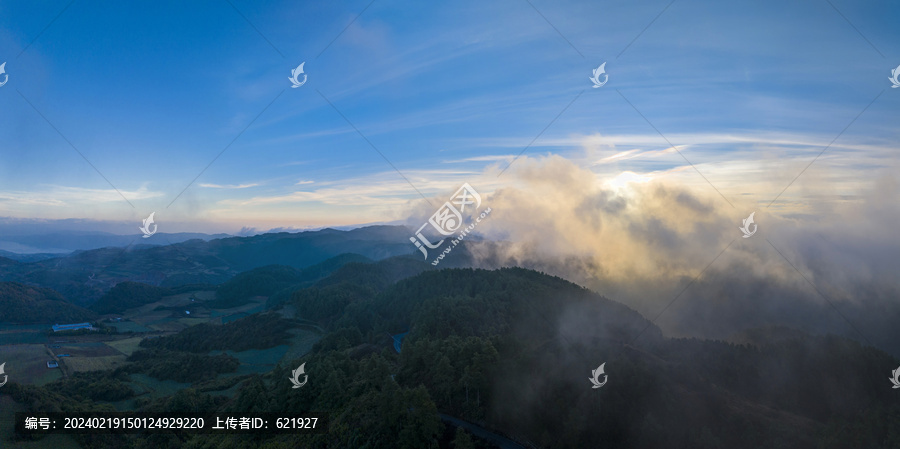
(511, 350)
(27, 304)
(263, 281)
(128, 295)
(180, 366)
(278, 281)
(258, 331)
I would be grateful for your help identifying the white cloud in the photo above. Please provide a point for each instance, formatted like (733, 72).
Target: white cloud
(500, 157)
(228, 186)
(66, 196)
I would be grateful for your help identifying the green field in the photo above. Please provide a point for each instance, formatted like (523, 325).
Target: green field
(26, 360)
(82, 364)
(129, 326)
(264, 360)
(126, 346)
(187, 322)
(168, 324)
(256, 304)
(85, 349)
(256, 360)
(21, 327)
(13, 334)
(144, 384)
(27, 364)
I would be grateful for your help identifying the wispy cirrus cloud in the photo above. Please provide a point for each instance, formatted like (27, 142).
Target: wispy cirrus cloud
(228, 186)
(67, 195)
(494, 158)
(57, 202)
(375, 191)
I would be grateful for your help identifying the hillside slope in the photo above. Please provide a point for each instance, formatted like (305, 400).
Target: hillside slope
(512, 350)
(23, 304)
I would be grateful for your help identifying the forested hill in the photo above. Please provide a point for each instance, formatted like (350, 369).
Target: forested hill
(512, 351)
(520, 303)
(85, 276)
(24, 304)
(465, 302)
(278, 281)
(127, 295)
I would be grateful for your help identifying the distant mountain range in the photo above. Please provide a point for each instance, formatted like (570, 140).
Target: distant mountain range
(30, 247)
(84, 276)
(28, 240)
(513, 351)
(28, 257)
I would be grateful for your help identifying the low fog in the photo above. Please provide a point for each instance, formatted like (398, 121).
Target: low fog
(818, 262)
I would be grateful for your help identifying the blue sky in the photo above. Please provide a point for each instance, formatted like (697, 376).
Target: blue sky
(151, 92)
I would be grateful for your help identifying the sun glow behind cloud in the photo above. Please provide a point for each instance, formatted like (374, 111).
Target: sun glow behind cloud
(623, 180)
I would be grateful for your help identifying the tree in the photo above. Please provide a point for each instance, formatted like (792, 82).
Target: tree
(462, 440)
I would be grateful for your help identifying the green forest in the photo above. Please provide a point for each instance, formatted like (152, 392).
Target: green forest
(509, 351)
(29, 304)
(258, 331)
(127, 295)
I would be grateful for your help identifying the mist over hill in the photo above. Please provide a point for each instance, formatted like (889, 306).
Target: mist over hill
(510, 351)
(450, 225)
(868, 316)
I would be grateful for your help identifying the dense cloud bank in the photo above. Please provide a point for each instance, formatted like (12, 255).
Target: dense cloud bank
(822, 264)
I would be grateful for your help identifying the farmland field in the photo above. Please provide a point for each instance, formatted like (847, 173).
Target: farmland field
(256, 304)
(27, 364)
(142, 383)
(85, 349)
(256, 360)
(82, 364)
(130, 326)
(263, 360)
(11, 334)
(126, 346)
(192, 321)
(146, 318)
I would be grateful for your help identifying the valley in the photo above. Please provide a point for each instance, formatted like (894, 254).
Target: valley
(394, 345)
